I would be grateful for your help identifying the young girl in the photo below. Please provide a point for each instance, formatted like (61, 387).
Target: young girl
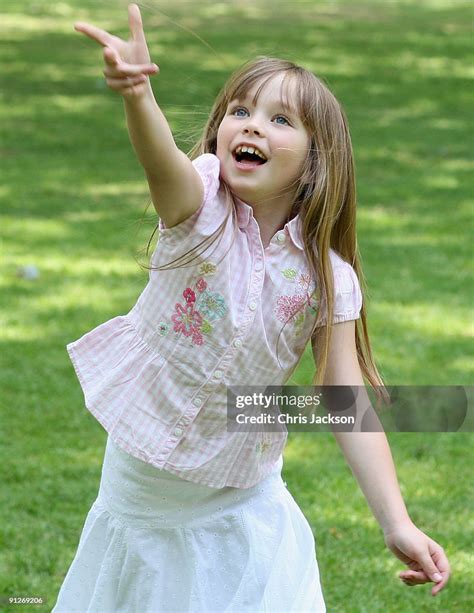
(257, 253)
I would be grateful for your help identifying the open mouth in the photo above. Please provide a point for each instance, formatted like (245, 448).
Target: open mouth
(249, 157)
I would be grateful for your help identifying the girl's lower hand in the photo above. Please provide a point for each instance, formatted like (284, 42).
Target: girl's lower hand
(425, 558)
(127, 63)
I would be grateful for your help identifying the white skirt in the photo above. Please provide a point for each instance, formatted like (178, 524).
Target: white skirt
(155, 543)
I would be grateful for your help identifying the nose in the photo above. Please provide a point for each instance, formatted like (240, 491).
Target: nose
(252, 127)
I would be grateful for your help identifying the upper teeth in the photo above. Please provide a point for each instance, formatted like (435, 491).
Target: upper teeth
(254, 150)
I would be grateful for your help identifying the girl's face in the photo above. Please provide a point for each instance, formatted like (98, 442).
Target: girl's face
(277, 133)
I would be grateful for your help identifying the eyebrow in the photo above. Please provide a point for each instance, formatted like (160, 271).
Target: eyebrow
(286, 107)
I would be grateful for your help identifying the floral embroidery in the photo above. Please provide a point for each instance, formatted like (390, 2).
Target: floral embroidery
(262, 447)
(197, 338)
(299, 319)
(289, 273)
(212, 305)
(186, 320)
(305, 279)
(290, 308)
(201, 307)
(201, 285)
(163, 328)
(189, 295)
(206, 327)
(207, 268)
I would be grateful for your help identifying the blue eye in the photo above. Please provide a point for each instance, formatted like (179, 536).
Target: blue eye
(235, 111)
(284, 119)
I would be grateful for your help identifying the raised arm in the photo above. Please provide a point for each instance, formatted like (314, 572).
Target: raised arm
(369, 457)
(175, 186)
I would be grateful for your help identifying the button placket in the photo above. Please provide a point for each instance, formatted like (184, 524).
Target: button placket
(245, 324)
(257, 280)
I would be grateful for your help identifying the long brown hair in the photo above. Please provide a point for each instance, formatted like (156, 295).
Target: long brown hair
(325, 193)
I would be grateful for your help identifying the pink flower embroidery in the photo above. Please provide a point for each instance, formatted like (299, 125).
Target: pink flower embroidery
(288, 306)
(201, 285)
(304, 280)
(197, 338)
(292, 308)
(186, 320)
(189, 295)
(192, 319)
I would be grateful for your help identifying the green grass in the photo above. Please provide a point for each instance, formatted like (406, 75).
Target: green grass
(72, 196)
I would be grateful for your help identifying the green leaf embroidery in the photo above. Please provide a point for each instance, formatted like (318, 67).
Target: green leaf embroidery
(299, 319)
(207, 268)
(206, 327)
(289, 273)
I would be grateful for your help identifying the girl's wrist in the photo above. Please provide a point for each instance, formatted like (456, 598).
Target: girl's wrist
(396, 523)
(140, 99)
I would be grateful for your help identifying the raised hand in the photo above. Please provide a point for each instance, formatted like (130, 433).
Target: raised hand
(127, 63)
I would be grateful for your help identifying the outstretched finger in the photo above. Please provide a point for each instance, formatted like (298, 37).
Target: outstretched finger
(135, 23)
(100, 36)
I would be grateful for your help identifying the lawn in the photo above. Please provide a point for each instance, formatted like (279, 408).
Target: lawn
(73, 200)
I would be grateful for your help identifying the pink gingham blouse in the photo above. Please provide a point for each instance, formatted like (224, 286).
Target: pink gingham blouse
(156, 378)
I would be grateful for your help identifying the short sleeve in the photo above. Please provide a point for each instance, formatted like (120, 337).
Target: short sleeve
(347, 294)
(210, 214)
